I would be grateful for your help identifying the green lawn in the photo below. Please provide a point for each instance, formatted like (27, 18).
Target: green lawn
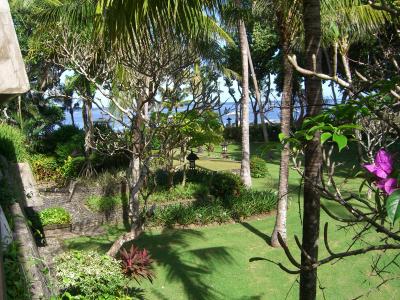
(213, 262)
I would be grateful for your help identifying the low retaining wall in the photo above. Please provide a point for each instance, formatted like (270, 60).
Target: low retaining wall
(30, 258)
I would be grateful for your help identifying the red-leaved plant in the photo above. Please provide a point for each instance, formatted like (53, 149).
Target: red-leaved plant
(137, 263)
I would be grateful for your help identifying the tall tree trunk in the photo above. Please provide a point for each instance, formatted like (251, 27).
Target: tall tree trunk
(313, 153)
(258, 97)
(245, 165)
(71, 112)
(286, 103)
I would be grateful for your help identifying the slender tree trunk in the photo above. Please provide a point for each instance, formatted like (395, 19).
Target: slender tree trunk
(286, 103)
(245, 166)
(87, 125)
(71, 112)
(136, 178)
(183, 155)
(328, 64)
(236, 114)
(313, 153)
(258, 97)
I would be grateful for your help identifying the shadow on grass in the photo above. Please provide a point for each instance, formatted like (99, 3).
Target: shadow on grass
(170, 249)
(257, 232)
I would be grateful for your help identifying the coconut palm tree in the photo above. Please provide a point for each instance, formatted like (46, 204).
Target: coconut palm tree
(244, 55)
(287, 24)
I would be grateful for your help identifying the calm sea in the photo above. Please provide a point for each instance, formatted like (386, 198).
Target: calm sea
(228, 111)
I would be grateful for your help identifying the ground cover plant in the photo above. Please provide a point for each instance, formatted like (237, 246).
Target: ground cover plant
(91, 275)
(104, 204)
(54, 216)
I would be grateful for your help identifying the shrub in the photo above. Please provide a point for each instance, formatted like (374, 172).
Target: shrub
(60, 136)
(258, 167)
(225, 185)
(12, 144)
(103, 204)
(17, 287)
(255, 133)
(72, 147)
(44, 167)
(137, 263)
(54, 216)
(251, 203)
(179, 192)
(91, 275)
(182, 214)
(247, 204)
(72, 167)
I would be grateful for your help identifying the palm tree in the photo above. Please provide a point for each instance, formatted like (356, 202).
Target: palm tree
(244, 55)
(288, 26)
(313, 152)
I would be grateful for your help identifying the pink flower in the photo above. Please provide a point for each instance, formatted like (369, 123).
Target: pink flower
(388, 185)
(382, 166)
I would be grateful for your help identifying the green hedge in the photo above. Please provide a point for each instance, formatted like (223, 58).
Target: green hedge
(247, 204)
(13, 144)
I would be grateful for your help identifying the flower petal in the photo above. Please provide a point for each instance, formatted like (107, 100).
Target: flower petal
(390, 185)
(370, 168)
(384, 161)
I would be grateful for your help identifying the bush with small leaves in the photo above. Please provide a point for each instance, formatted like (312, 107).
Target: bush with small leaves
(91, 276)
(72, 167)
(258, 167)
(226, 185)
(44, 167)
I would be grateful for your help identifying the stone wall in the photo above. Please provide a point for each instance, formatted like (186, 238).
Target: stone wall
(30, 258)
(84, 221)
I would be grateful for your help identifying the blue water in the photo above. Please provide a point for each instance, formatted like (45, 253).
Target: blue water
(228, 111)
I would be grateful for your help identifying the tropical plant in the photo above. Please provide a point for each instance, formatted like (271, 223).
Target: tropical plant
(137, 263)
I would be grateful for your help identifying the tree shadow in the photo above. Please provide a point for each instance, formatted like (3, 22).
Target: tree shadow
(257, 232)
(171, 250)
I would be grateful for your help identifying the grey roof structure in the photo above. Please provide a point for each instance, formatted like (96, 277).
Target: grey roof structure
(13, 78)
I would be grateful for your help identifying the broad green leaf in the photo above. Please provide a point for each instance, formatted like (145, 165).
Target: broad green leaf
(325, 136)
(309, 137)
(282, 137)
(393, 206)
(340, 140)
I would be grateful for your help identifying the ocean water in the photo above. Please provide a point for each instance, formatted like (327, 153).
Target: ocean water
(228, 111)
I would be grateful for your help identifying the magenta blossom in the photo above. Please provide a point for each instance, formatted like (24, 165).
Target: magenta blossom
(382, 166)
(388, 185)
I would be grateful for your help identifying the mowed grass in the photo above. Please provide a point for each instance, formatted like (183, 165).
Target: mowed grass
(213, 262)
